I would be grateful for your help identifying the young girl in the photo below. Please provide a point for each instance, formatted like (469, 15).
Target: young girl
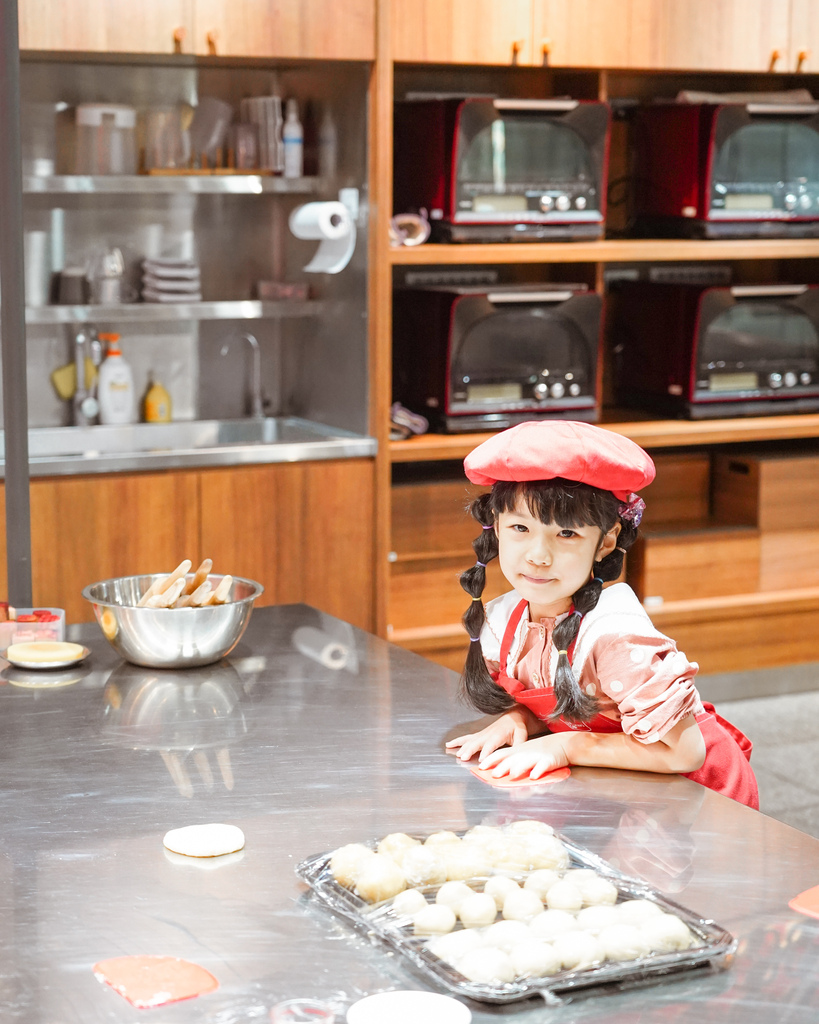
(577, 673)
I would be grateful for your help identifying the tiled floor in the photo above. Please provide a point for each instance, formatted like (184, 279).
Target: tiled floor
(780, 715)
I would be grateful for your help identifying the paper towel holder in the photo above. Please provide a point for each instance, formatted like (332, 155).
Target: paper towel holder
(333, 224)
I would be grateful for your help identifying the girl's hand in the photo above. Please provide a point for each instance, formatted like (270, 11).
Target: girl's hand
(508, 730)
(534, 758)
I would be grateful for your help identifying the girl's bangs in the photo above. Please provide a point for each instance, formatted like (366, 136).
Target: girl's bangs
(565, 502)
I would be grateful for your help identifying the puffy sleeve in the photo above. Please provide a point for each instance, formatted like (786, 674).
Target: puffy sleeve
(650, 682)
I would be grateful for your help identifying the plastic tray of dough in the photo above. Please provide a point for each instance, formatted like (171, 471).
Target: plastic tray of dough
(713, 947)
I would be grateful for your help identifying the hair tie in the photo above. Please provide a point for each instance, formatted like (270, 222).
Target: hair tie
(597, 579)
(618, 548)
(563, 652)
(476, 599)
(490, 527)
(474, 639)
(481, 564)
(576, 612)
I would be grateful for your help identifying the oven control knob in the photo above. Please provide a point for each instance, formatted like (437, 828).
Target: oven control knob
(790, 201)
(546, 203)
(804, 378)
(790, 380)
(563, 203)
(804, 201)
(541, 391)
(580, 202)
(775, 380)
(557, 390)
(574, 390)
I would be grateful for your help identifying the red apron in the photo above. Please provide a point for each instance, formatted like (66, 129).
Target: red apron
(727, 751)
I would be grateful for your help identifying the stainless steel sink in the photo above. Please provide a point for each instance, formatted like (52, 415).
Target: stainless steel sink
(65, 450)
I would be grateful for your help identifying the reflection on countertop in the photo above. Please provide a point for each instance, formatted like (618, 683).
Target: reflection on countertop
(64, 451)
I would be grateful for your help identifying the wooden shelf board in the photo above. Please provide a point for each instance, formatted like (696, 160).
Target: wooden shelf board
(646, 432)
(614, 250)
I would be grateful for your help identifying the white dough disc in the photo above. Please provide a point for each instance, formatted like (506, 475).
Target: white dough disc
(212, 840)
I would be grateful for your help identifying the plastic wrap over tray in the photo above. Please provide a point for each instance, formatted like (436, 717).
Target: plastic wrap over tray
(713, 946)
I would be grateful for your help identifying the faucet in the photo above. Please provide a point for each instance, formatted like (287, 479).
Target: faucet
(85, 405)
(256, 401)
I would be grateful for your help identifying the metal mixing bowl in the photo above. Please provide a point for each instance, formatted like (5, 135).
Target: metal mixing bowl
(170, 637)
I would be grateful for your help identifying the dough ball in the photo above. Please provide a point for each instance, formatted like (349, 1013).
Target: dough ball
(522, 905)
(396, 844)
(466, 860)
(541, 881)
(666, 933)
(482, 833)
(348, 861)
(478, 911)
(551, 923)
(409, 902)
(637, 911)
(529, 826)
(379, 879)
(534, 959)
(492, 847)
(511, 855)
(599, 892)
(595, 918)
(441, 837)
(499, 887)
(564, 896)
(578, 949)
(434, 919)
(212, 840)
(580, 877)
(452, 894)
(544, 851)
(623, 942)
(506, 934)
(453, 946)
(491, 966)
(423, 866)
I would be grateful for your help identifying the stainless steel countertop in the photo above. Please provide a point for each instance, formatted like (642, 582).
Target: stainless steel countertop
(69, 451)
(305, 758)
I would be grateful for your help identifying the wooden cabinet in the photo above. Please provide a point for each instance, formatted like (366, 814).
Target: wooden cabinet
(462, 31)
(303, 530)
(104, 25)
(803, 54)
(342, 29)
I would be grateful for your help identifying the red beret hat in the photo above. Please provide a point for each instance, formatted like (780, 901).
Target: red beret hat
(545, 449)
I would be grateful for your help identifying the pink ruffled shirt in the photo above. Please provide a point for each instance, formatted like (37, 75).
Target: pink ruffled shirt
(639, 678)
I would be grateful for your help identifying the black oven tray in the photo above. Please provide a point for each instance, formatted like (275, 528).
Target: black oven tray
(715, 946)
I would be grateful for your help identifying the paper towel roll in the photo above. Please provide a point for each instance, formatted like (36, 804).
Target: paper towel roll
(320, 647)
(333, 225)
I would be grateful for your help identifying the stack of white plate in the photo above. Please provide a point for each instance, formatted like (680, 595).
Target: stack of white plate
(171, 280)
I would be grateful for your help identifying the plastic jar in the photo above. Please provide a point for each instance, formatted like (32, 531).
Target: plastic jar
(106, 139)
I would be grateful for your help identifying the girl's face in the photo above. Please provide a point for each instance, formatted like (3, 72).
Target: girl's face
(546, 563)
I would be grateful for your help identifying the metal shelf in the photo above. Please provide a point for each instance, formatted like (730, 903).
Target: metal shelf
(141, 184)
(158, 312)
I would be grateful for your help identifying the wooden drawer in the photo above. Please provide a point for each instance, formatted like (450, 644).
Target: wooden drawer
(426, 592)
(774, 492)
(680, 492)
(678, 565)
(789, 559)
(432, 517)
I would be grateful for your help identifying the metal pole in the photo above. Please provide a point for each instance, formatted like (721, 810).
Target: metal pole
(12, 315)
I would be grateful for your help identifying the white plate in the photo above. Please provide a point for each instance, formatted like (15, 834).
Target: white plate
(408, 1007)
(20, 661)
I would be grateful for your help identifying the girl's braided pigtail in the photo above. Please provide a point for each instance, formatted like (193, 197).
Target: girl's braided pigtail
(477, 685)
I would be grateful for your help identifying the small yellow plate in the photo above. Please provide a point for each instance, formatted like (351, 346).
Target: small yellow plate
(45, 654)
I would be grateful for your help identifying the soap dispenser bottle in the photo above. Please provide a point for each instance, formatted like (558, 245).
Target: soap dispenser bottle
(293, 142)
(156, 405)
(116, 385)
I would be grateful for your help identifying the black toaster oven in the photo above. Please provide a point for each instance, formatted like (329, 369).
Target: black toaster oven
(503, 170)
(702, 352)
(487, 358)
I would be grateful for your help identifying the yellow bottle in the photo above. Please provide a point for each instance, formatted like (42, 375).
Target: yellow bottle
(156, 405)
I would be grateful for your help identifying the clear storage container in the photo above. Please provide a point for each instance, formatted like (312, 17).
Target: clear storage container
(106, 139)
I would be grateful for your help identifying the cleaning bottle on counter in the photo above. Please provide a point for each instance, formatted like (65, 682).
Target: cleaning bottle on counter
(293, 142)
(156, 405)
(115, 385)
